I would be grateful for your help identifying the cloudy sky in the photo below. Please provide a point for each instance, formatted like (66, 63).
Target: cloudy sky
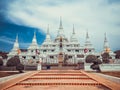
(23, 17)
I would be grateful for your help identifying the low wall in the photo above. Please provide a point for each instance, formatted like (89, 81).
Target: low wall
(112, 78)
(110, 67)
(87, 67)
(104, 67)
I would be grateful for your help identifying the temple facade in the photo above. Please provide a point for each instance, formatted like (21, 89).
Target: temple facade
(60, 49)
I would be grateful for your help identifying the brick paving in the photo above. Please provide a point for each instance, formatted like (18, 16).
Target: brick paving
(59, 80)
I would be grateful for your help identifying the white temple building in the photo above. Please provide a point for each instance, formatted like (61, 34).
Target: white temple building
(61, 48)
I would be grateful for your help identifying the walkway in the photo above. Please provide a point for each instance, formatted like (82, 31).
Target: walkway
(59, 80)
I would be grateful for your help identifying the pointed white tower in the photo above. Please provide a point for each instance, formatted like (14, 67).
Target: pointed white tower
(16, 45)
(60, 27)
(88, 46)
(107, 48)
(73, 37)
(34, 44)
(15, 48)
(106, 44)
(60, 31)
(48, 38)
(34, 41)
(87, 43)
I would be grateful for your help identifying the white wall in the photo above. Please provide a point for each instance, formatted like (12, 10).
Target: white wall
(110, 67)
(87, 67)
(104, 67)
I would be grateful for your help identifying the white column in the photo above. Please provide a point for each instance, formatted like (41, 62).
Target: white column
(39, 66)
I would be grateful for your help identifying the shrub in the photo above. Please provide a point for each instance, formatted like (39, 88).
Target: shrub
(90, 58)
(95, 65)
(13, 61)
(117, 56)
(1, 62)
(20, 67)
(105, 57)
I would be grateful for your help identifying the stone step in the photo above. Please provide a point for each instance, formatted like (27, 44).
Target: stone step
(60, 74)
(60, 71)
(59, 81)
(59, 78)
(32, 84)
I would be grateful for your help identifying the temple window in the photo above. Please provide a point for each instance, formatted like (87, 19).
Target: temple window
(51, 56)
(44, 50)
(80, 56)
(33, 57)
(69, 56)
(90, 50)
(53, 45)
(67, 45)
(69, 50)
(76, 50)
(52, 50)
(24, 57)
(98, 56)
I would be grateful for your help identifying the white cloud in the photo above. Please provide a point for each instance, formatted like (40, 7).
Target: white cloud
(98, 16)
(12, 41)
(6, 40)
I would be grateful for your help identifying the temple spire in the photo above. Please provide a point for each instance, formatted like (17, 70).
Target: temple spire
(48, 38)
(15, 50)
(48, 29)
(73, 36)
(106, 45)
(34, 44)
(87, 36)
(16, 44)
(60, 27)
(73, 29)
(105, 40)
(34, 38)
(61, 31)
(16, 38)
(87, 43)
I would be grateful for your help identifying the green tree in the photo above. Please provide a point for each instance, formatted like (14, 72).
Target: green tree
(105, 57)
(95, 65)
(20, 67)
(3, 54)
(90, 58)
(117, 56)
(1, 62)
(13, 61)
